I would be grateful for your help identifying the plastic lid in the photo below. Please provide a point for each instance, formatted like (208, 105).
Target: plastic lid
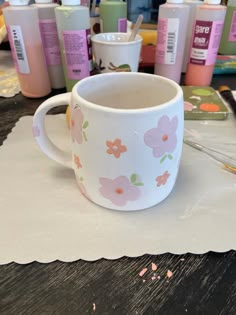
(212, 1)
(175, 1)
(43, 1)
(71, 2)
(18, 2)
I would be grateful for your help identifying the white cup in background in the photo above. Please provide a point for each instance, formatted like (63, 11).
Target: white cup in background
(113, 53)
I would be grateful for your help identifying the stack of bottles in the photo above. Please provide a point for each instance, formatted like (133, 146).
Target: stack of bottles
(188, 39)
(50, 44)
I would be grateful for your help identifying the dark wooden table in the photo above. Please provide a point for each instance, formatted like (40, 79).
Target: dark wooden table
(201, 284)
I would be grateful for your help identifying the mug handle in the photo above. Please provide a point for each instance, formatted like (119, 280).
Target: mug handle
(40, 133)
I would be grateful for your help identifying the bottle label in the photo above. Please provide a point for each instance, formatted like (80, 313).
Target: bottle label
(122, 25)
(78, 55)
(205, 42)
(18, 49)
(232, 32)
(84, 3)
(48, 30)
(168, 31)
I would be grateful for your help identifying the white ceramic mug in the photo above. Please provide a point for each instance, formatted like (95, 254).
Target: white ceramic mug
(112, 52)
(126, 133)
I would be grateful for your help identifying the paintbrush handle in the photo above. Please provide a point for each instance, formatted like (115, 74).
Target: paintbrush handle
(136, 28)
(227, 95)
(226, 160)
(221, 157)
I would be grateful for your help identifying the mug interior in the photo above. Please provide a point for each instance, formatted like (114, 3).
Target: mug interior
(128, 90)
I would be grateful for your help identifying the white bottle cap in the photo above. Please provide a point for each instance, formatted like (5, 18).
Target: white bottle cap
(18, 2)
(43, 1)
(71, 2)
(212, 1)
(175, 1)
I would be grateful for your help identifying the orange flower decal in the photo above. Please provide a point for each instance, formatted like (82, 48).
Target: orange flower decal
(77, 161)
(115, 147)
(162, 179)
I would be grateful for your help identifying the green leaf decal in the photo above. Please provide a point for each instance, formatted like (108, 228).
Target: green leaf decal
(81, 178)
(85, 125)
(170, 156)
(133, 178)
(163, 159)
(84, 135)
(139, 184)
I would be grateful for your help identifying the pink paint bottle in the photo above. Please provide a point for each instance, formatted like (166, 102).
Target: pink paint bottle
(48, 30)
(172, 30)
(205, 42)
(26, 45)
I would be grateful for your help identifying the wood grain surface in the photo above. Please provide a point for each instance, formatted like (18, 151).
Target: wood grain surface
(200, 284)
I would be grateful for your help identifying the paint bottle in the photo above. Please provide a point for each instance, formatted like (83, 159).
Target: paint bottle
(193, 4)
(205, 42)
(48, 30)
(113, 16)
(73, 27)
(228, 39)
(94, 18)
(172, 29)
(27, 50)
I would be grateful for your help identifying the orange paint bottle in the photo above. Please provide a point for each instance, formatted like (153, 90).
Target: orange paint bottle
(207, 31)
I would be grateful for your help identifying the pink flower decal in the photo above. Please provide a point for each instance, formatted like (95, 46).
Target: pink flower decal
(115, 147)
(162, 179)
(36, 131)
(120, 190)
(162, 139)
(77, 161)
(188, 107)
(77, 125)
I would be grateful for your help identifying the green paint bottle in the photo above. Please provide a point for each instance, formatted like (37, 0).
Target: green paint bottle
(113, 16)
(73, 27)
(228, 39)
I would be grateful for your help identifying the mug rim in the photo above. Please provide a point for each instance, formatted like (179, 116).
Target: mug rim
(95, 39)
(97, 107)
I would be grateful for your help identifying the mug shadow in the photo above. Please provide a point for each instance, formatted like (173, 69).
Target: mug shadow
(63, 173)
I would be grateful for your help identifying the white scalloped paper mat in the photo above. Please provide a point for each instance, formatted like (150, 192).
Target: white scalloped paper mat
(44, 217)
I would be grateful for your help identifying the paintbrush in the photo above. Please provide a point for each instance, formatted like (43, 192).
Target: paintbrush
(228, 162)
(227, 95)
